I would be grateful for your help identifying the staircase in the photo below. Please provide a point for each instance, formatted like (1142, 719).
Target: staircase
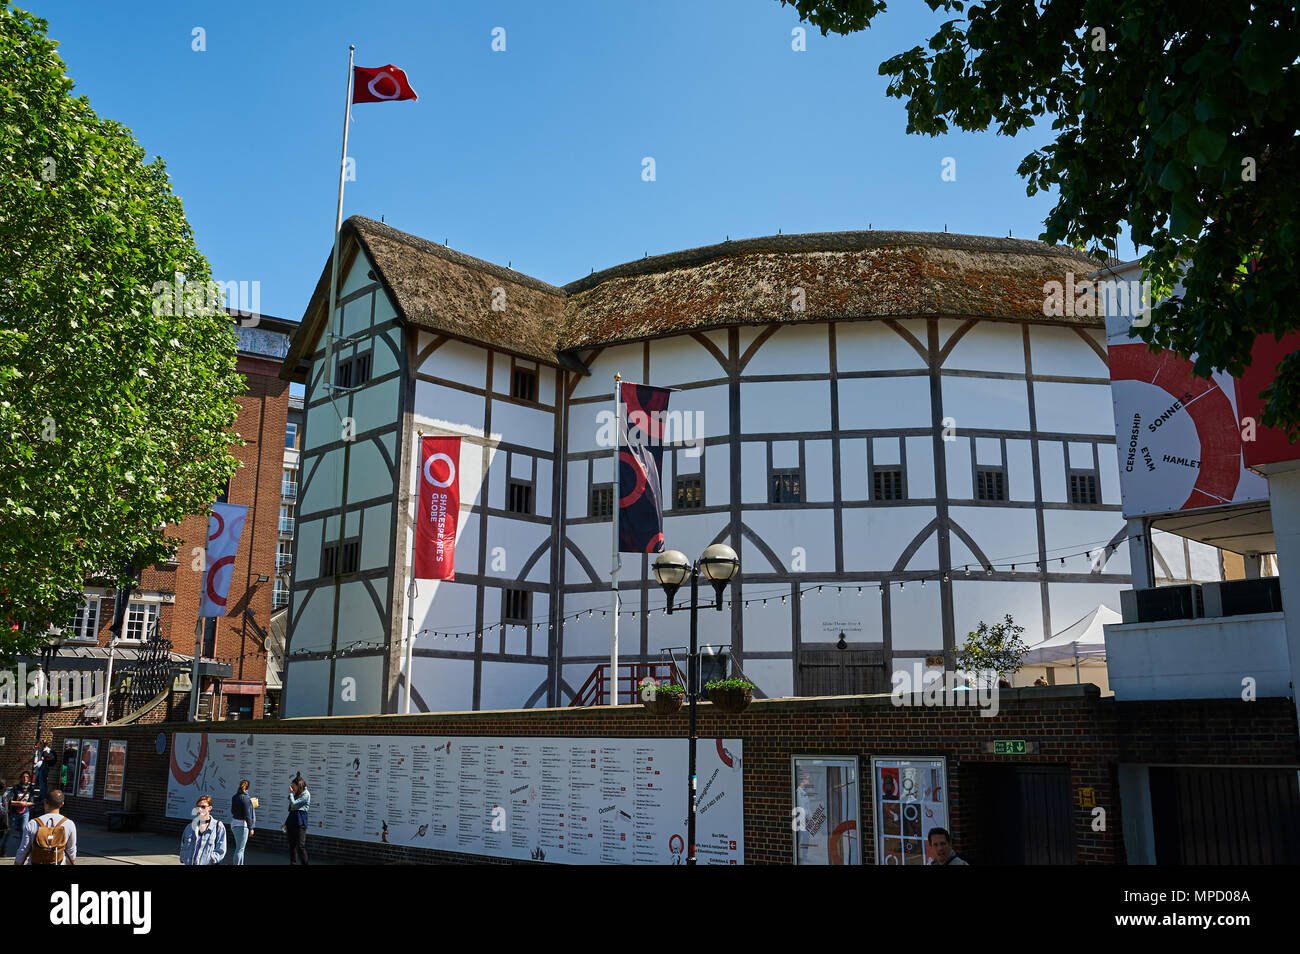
(596, 690)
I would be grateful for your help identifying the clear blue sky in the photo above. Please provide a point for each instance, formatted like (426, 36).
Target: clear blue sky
(532, 156)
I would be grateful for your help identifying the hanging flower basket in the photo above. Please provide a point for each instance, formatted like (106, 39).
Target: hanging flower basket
(664, 700)
(730, 695)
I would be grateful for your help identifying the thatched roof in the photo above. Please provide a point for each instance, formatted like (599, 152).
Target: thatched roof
(843, 275)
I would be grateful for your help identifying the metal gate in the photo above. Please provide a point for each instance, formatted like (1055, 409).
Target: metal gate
(1225, 816)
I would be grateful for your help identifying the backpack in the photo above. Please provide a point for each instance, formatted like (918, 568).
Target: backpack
(49, 843)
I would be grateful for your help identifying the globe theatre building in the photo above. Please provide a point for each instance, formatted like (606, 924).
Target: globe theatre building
(885, 426)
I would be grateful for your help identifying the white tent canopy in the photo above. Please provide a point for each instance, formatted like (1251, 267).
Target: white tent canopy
(1083, 641)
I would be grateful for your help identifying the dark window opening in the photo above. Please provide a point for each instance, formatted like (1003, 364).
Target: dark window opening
(517, 607)
(786, 487)
(523, 384)
(602, 501)
(351, 556)
(689, 493)
(887, 483)
(343, 374)
(990, 485)
(1083, 489)
(519, 497)
(329, 559)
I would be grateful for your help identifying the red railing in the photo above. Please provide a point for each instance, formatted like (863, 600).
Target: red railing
(596, 690)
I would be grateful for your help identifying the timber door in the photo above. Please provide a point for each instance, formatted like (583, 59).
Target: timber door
(1225, 816)
(1024, 815)
(842, 672)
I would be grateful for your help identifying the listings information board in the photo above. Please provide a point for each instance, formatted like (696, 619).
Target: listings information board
(574, 801)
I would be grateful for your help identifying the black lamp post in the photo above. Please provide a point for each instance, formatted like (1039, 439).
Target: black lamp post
(719, 564)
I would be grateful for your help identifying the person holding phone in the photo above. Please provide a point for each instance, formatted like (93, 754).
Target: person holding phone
(295, 825)
(243, 819)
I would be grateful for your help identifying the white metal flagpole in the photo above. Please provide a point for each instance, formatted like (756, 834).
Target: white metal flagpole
(411, 591)
(338, 225)
(615, 559)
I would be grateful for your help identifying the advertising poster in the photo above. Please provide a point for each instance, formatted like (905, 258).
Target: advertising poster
(115, 770)
(565, 800)
(68, 770)
(825, 823)
(86, 771)
(910, 798)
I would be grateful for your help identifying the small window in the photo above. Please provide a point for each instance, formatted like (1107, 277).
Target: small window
(786, 487)
(85, 625)
(291, 436)
(990, 485)
(519, 497)
(351, 556)
(887, 483)
(329, 559)
(361, 369)
(689, 493)
(602, 501)
(140, 619)
(517, 608)
(343, 374)
(523, 384)
(1083, 488)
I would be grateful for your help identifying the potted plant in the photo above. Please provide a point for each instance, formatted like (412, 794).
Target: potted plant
(730, 695)
(662, 699)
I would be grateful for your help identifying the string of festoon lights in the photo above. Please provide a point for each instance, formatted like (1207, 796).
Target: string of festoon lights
(961, 571)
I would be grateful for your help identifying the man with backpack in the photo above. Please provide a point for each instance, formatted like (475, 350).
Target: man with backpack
(50, 839)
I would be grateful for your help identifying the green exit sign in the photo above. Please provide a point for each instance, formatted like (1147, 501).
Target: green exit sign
(1009, 747)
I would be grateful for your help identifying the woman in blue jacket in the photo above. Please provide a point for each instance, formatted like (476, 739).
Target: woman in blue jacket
(204, 839)
(295, 826)
(243, 819)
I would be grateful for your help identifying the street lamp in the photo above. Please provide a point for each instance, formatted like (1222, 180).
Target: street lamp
(719, 564)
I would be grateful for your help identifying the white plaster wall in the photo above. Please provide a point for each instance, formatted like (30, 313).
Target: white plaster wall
(793, 349)
(769, 406)
(455, 361)
(1073, 408)
(364, 675)
(975, 601)
(987, 403)
(884, 402)
(682, 360)
(508, 685)
(990, 346)
(306, 688)
(873, 346)
(812, 531)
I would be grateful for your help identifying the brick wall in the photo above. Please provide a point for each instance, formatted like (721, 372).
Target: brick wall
(1072, 726)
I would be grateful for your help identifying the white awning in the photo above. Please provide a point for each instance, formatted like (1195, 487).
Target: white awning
(1084, 640)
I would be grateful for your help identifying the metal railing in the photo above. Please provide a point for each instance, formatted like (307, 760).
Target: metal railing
(286, 524)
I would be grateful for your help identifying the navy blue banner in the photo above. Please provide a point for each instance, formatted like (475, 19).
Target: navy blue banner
(640, 453)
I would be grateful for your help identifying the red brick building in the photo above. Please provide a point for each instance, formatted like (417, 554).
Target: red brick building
(234, 648)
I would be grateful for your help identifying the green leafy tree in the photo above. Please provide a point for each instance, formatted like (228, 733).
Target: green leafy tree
(114, 401)
(1178, 119)
(993, 649)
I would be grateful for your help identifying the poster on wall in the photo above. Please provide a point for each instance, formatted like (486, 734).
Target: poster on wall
(825, 822)
(565, 800)
(910, 798)
(86, 771)
(68, 770)
(115, 770)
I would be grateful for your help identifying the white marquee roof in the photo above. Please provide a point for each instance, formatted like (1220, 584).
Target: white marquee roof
(1083, 640)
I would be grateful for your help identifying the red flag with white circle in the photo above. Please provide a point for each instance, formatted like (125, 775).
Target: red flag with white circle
(379, 84)
(439, 508)
(225, 526)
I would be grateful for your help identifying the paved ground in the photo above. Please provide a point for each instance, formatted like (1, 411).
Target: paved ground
(98, 846)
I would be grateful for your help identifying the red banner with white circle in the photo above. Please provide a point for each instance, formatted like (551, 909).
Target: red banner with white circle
(225, 527)
(439, 508)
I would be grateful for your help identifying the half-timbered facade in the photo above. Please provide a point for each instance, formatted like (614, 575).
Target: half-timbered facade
(885, 426)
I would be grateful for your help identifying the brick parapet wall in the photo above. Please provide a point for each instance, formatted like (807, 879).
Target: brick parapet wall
(1071, 726)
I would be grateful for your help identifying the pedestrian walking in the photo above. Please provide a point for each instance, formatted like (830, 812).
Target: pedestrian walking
(295, 825)
(50, 839)
(44, 760)
(19, 801)
(243, 820)
(4, 820)
(940, 843)
(204, 840)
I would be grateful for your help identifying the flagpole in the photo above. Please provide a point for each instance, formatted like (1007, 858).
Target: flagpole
(409, 661)
(338, 223)
(615, 560)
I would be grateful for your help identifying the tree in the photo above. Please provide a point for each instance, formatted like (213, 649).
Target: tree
(1177, 118)
(996, 649)
(115, 396)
